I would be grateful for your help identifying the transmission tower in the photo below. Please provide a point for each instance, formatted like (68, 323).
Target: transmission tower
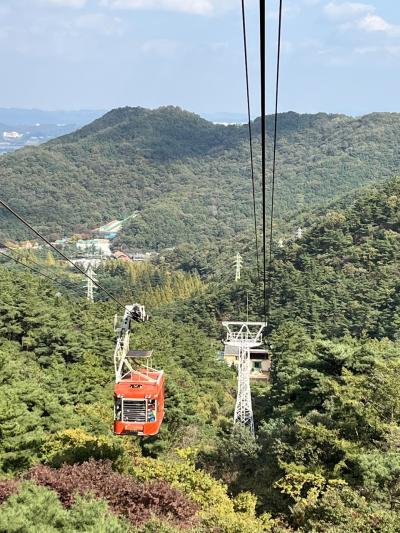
(239, 263)
(299, 233)
(243, 336)
(90, 286)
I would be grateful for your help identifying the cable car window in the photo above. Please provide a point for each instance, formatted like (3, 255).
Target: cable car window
(134, 410)
(118, 409)
(151, 411)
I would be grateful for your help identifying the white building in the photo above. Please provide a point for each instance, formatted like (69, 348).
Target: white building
(260, 361)
(95, 246)
(12, 135)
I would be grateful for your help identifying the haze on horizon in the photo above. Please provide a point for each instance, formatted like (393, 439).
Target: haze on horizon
(338, 56)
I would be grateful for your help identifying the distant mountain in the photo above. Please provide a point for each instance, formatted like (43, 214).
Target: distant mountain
(36, 126)
(19, 117)
(14, 137)
(189, 179)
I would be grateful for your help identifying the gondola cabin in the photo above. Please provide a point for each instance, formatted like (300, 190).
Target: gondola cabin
(139, 398)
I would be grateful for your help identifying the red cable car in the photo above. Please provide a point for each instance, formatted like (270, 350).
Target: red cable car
(139, 389)
(139, 400)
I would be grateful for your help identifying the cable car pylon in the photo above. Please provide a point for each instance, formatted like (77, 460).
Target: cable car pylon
(243, 336)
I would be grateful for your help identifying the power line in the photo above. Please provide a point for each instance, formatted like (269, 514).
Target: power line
(250, 132)
(263, 145)
(271, 229)
(21, 219)
(39, 272)
(31, 260)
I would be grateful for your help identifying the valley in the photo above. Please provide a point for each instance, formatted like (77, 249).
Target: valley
(333, 332)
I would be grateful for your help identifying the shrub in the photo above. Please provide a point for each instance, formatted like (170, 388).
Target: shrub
(124, 495)
(37, 509)
(7, 487)
(75, 446)
(219, 513)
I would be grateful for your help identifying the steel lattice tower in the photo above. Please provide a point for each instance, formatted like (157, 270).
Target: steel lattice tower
(239, 263)
(243, 336)
(90, 286)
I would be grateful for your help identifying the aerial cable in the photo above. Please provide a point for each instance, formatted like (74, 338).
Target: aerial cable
(31, 260)
(271, 229)
(250, 133)
(96, 283)
(263, 147)
(39, 272)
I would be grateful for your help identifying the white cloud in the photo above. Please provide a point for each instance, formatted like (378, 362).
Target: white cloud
(340, 55)
(195, 7)
(375, 23)
(366, 50)
(359, 16)
(347, 10)
(377, 50)
(99, 23)
(65, 3)
(289, 10)
(160, 47)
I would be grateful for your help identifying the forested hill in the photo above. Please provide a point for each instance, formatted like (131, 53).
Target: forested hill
(326, 457)
(341, 278)
(188, 178)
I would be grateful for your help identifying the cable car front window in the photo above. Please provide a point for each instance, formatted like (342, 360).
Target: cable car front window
(133, 410)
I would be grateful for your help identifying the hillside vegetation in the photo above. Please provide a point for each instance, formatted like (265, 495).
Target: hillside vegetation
(188, 178)
(327, 453)
(326, 457)
(341, 277)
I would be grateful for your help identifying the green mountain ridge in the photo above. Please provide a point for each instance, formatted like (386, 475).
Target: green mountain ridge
(188, 178)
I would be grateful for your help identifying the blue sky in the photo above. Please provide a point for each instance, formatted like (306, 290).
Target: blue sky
(69, 54)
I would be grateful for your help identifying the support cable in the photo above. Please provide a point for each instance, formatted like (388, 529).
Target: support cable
(246, 63)
(96, 283)
(39, 272)
(31, 260)
(263, 147)
(271, 228)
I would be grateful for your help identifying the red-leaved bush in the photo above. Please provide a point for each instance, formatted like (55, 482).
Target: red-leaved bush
(7, 487)
(124, 495)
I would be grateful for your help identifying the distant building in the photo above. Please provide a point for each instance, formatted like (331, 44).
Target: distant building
(12, 135)
(111, 230)
(85, 262)
(60, 242)
(95, 246)
(139, 256)
(28, 245)
(260, 361)
(121, 256)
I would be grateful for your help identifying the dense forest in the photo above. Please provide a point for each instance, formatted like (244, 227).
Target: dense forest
(327, 453)
(341, 278)
(187, 178)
